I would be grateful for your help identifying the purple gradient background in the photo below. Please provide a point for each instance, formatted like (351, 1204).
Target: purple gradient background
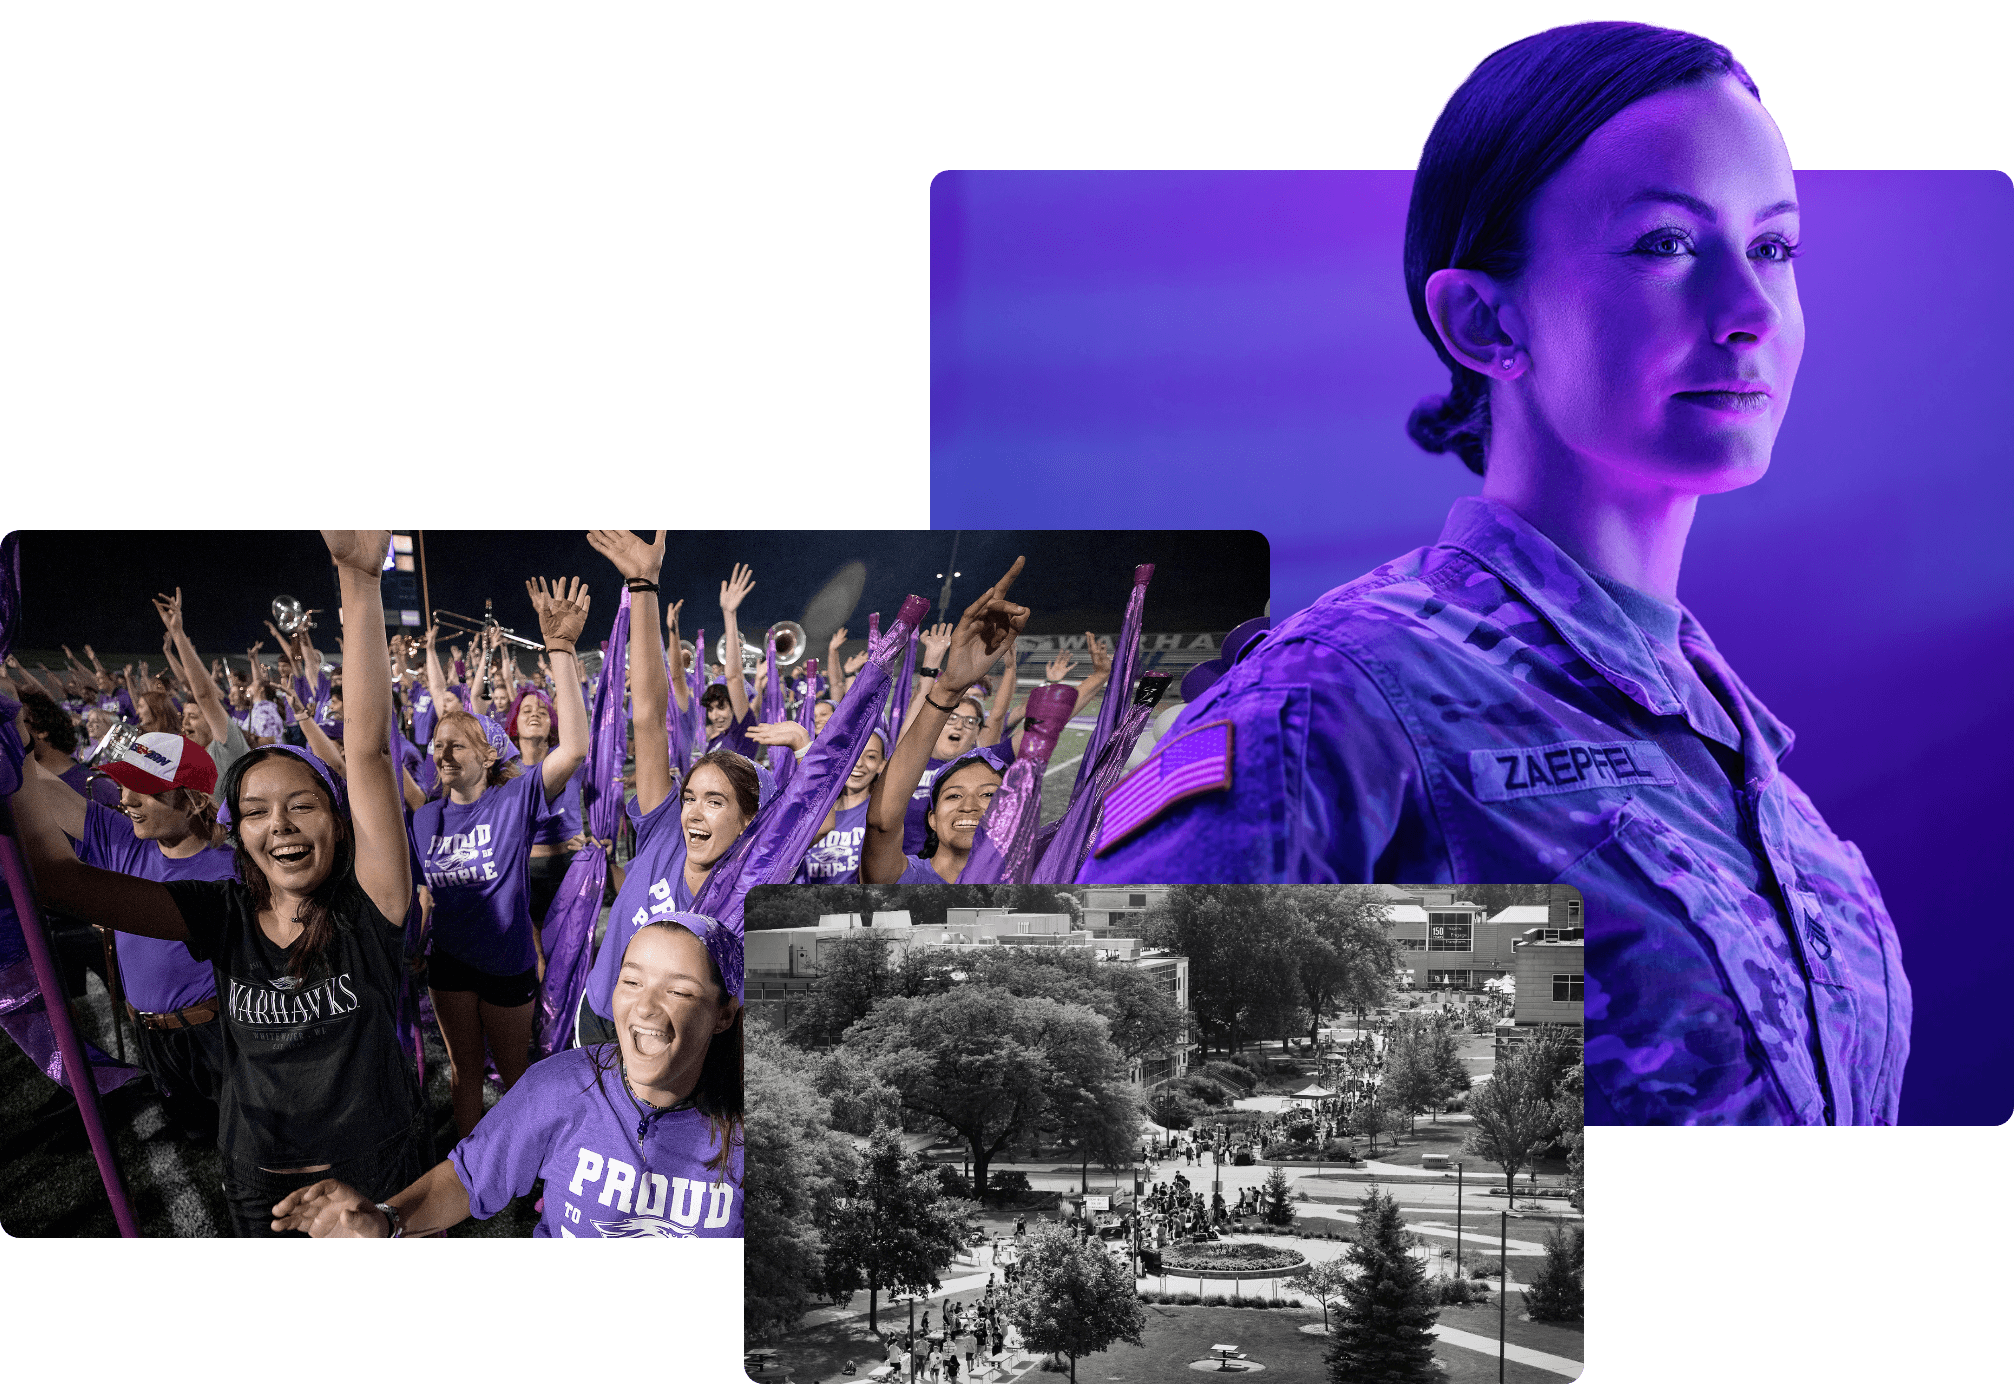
(1219, 350)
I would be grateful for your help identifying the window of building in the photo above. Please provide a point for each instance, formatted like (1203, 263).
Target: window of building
(1458, 980)
(1567, 988)
(1573, 910)
(1136, 901)
(1411, 943)
(1449, 932)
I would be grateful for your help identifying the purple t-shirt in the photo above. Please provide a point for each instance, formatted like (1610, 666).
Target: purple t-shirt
(423, 717)
(917, 870)
(473, 858)
(560, 821)
(653, 887)
(834, 858)
(159, 976)
(614, 1168)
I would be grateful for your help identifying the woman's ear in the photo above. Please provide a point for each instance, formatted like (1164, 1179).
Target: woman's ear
(1477, 322)
(724, 1020)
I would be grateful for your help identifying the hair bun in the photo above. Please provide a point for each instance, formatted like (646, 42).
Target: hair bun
(1458, 421)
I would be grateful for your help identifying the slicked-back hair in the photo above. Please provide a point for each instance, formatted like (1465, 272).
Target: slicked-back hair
(1501, 137)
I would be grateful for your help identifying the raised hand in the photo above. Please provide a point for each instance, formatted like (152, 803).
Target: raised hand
(855, 663)
(91, 654)
(632, 557)
(169, 608)
(1059, 667)
(358, 550)
(1101, 654)
(781, 733)
(736, 588)
(562, 609)
(671, 619)
(936, 640)
(988, 626)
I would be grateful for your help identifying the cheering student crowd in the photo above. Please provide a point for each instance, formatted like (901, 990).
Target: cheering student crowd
(303, 860)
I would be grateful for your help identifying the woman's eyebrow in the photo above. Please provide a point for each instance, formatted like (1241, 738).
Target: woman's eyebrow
(1699, 208)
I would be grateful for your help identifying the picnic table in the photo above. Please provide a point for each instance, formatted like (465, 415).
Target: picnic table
(756, 1361)
(1226, 1354)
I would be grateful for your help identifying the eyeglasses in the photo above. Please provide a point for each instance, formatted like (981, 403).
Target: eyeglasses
(972, 722)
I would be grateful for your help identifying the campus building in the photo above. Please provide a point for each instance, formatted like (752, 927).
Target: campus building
(784, 963)
(1122, 912)
(1448, 943)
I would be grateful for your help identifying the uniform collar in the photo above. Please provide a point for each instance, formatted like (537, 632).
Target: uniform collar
(1590, 622)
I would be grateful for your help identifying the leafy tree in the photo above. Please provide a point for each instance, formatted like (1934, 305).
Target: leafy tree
(855, 972)
(1141, 1016)
(794, 1160)
(990, 1066)
(1555, 1292)
(1413, 1081)
(1512, 1118)
(1276, 1207)
(1345, 957)
(1242, 945)
(1451, 1077)
(1570, 1115)
(894, 1229)
(1072, 1297)
(861, 1101)
(1323, 1282)
(1384, 1327)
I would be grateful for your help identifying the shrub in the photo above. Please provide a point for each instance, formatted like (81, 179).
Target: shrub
(1187, 1299)
(955, 1183)
(1484, 1268)
(1459, 1292)
(1555, 1293)
(1009, 1184)
(1216, 1300)
(1301, 1133)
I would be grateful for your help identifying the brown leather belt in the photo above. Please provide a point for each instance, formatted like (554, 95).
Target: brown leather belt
(189, 1016)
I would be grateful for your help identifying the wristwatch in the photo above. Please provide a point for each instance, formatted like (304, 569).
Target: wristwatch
(923, 672)
(393, 1218)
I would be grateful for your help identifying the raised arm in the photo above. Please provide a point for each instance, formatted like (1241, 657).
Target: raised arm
(680, 692)
(201, 686)
(329, 751)
(835, 676)
(935, 640)
(988, 625)
(732, 592)
(1003, 697)
(66, 883)
(641, 561)
(562, 613)
(1101, 671)
(437, 681)
(383, 857)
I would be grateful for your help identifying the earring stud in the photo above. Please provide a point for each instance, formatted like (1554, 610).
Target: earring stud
(1509, 361)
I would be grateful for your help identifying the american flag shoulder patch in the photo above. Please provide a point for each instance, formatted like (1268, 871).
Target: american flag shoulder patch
(1196, 761)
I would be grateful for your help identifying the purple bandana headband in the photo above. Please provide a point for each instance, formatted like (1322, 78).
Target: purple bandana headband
(723, 944)
(493, 732)
(314, 761)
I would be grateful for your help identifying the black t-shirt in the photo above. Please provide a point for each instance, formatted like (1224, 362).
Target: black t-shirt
(313, 1068)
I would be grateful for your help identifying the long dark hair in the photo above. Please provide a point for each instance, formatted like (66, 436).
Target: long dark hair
(318, 922)
(717, 1095)
(1503, 134)
(741, 777)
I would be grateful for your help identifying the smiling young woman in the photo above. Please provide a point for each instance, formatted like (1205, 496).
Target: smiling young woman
(636, 1138)
(1600, 247)
(305, 942)
(680, 835)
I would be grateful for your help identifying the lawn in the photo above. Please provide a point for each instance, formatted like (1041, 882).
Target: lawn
(1176, 1336)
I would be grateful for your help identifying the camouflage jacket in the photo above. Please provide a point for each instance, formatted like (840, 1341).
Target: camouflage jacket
(1483, 710)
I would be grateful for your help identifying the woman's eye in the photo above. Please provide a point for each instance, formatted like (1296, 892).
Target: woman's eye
(1774, 250)
(1665, 244)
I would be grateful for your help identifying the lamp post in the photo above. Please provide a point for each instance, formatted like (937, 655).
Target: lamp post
(1503, 1282)
(1458, 1220)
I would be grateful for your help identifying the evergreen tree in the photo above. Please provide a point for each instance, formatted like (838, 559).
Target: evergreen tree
(1072, 1297)
(1555, 1292)
(1276, 1207)
(1384, 1325)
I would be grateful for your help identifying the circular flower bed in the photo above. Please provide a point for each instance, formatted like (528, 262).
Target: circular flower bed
(1232, 1256)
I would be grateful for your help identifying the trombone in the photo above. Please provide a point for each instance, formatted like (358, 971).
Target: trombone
(455, 623)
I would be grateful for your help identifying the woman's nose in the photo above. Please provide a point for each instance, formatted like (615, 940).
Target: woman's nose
(1741, 307)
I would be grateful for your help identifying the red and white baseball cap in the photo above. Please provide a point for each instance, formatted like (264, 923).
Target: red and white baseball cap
(160, 760)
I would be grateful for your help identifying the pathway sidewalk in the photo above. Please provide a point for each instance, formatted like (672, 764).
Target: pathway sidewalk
(1524, 1355)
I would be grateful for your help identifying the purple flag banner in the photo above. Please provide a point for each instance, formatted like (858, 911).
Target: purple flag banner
(569, 924)
(1004, 852)
(905, 688)
(695, 683)
(1065, 853)
(677, 727)
(1125, 655)
(768, 852)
